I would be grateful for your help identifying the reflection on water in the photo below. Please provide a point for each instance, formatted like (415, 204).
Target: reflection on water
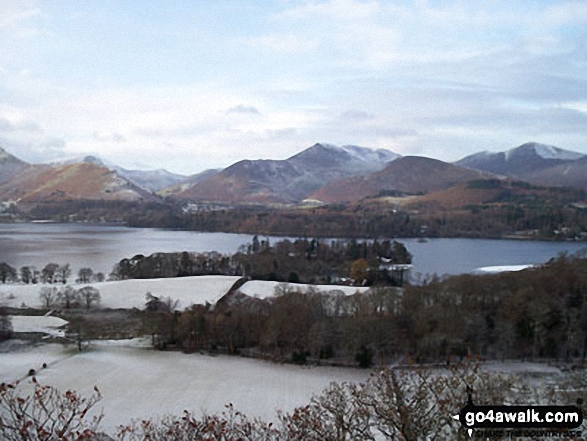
(100, 247)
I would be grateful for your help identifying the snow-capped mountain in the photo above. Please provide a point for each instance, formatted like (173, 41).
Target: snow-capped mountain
(151, 180)
(540, 164)
(288, 180)
(58, 182)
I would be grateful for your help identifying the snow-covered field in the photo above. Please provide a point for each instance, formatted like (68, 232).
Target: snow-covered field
(40, 324)
(139, 383)
(263, 289)
(188, 290)
(131, 293)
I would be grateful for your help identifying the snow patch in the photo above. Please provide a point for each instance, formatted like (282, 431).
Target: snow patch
(38, 324)
(552, 152)
(263, 289)
(502, 268)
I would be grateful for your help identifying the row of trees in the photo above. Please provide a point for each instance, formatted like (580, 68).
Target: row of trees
(68, 297)
(52, 273)
(303, 260)
(536, 313)
(404, 405)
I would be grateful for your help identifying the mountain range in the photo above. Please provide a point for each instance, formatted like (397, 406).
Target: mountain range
(322, 172)
(289, 180)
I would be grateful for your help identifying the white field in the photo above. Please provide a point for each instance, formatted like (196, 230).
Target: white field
(131, 293)
(42, 324)
(188, 290)
(140, 383)
(263, 289)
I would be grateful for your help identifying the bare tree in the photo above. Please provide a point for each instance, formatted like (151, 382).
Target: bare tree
(64, 271)
(84, 275)
(26, 274)
(49, 272)
(89, 296)
(48, 295)
(68, 297)
(7, 273)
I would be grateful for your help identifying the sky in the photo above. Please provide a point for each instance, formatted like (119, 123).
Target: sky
(191, 85)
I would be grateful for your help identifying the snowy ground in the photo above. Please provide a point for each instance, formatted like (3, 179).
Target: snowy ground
(131, 293)
(40, 324)
(188, 290)
(263, 289)
(140, 383)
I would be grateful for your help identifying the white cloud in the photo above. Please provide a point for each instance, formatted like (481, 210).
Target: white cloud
(14, 15)
(281, 44)
(241, 108)
(420, 76)
(109, 137)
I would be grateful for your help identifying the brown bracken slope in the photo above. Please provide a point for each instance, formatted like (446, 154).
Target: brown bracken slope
(45, 183)
(409, 174)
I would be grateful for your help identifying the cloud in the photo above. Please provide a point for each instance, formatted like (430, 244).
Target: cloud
(108, 137)
(438, 78)
(8, 126)
(14, 14)
(279, 134)
(281, 44)
(244, 109)
(357, 115)
(39, 151)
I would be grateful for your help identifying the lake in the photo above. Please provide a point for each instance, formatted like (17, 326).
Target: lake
(100, 247)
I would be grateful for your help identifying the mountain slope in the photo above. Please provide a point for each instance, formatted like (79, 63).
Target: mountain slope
(568, 174)
(537, 163)
(10, 165)
(187, 182)
(289, 180)
(83, 180)
(409, 174)
(151, 180)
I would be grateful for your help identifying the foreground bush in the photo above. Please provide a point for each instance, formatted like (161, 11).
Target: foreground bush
(44, 413)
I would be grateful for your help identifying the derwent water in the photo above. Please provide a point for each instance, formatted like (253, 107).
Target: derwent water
(100, 247)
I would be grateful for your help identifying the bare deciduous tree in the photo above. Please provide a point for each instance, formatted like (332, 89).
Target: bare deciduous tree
(84, 275)
(68, 297)
(48, 295)
(90, 296)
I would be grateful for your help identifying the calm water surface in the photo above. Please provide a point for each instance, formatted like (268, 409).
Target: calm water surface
(100, 247)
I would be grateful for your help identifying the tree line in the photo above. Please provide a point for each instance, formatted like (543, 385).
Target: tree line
(311, 261)
(52, 274)
(68, 297)
(538, 313)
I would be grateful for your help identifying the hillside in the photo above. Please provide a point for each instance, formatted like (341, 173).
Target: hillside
(56, 183)
(533, 162)
(409, 174)
(187, 182)
(10, 165)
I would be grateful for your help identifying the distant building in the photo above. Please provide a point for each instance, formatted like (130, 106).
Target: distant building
(395, 272)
